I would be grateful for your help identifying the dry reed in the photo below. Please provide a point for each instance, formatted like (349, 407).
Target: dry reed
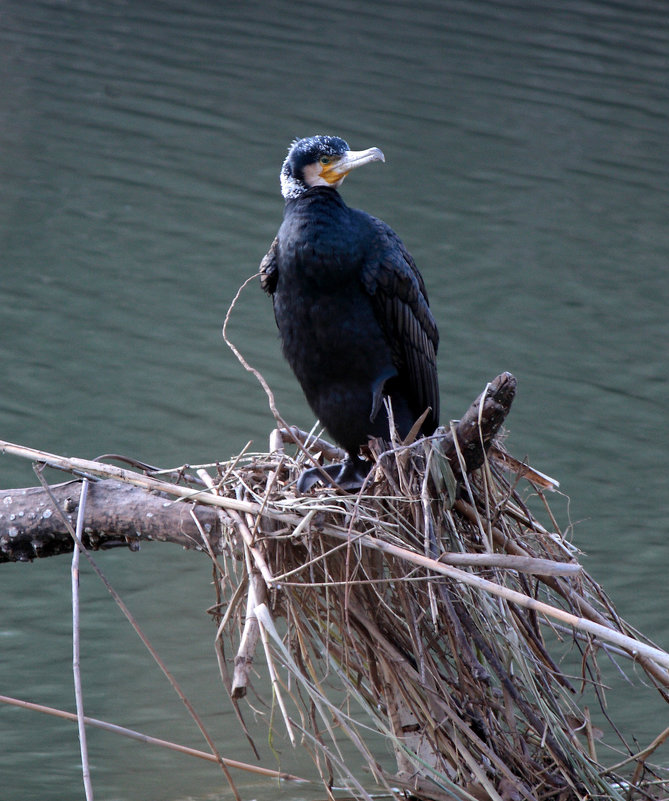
(367, 631)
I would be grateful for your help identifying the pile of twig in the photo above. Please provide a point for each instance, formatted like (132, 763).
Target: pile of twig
(435, 612)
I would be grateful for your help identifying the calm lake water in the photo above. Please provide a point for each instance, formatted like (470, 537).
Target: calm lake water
(527, 148)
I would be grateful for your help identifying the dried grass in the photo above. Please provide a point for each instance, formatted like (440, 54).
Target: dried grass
(368, 633)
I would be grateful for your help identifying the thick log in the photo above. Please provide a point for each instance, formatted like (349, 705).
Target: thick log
(116, 514)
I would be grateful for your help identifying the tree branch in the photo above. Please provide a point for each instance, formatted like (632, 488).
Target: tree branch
(116, 514)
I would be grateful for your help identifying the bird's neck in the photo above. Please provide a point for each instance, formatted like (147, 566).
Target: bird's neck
(316, 214)
(314, 195)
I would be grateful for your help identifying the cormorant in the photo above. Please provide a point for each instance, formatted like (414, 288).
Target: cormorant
(351, 308)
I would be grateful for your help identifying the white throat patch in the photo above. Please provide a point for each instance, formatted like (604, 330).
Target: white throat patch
(290, 186)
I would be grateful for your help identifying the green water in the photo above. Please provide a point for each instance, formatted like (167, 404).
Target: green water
(527, 171)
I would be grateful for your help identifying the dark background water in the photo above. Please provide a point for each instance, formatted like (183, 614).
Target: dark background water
(527, 167)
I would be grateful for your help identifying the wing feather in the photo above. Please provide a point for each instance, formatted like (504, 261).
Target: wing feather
(402, 310)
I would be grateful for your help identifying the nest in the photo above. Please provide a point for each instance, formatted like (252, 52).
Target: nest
(434, 614)
(436, 628)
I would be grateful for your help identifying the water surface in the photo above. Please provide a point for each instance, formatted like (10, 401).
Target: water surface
(140, 143)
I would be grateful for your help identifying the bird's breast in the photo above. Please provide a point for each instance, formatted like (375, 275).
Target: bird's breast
(320, 243)
(327, 332)
(328, 326)
(324, 262)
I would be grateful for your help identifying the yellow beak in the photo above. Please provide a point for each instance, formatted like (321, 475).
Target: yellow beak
(338, 169)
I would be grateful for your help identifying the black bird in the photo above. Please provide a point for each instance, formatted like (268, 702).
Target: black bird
(351, 308)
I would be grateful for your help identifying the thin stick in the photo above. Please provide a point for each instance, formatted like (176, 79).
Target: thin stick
(643, 754)
(270, 395)
(76, 667)
(146, 738)
(258, 558)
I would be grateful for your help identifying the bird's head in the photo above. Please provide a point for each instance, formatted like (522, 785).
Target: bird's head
(321, 161)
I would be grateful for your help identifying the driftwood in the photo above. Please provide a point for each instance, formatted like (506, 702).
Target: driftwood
(119, 514)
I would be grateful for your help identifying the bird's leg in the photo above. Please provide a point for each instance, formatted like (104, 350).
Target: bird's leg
(349, 475)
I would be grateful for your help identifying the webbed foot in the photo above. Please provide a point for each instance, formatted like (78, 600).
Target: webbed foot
(315, 474)
(349, 475)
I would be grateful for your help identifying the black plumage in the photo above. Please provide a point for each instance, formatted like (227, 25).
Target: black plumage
(351, 307)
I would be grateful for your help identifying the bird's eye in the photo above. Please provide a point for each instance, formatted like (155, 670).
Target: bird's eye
(324, 159)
